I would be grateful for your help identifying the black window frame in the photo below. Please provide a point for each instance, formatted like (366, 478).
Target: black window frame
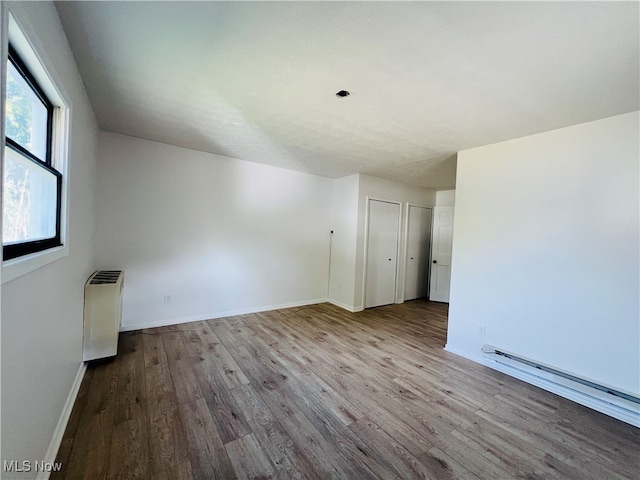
(16, 250)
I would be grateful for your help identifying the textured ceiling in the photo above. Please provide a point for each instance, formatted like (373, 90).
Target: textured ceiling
(257, 81)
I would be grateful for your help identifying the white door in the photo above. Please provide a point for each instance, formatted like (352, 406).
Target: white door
(441, 254)
(382, 253)
(416, 277)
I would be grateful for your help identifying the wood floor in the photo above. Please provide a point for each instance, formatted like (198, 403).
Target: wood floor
(319, 393)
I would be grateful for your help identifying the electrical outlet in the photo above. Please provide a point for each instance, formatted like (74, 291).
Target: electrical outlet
(167, 298)
(482, 330)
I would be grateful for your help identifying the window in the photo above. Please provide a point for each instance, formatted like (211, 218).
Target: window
(32, 187)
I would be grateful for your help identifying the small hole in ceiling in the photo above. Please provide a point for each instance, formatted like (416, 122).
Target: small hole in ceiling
(343, 93)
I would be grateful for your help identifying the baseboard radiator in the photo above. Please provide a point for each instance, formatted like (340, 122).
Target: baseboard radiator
(617, 403)
(102, 314)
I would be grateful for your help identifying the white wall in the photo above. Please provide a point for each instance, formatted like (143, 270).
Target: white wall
(220, 235)
(344, 241)
(446, 198)
(42, 310)
(545, 250)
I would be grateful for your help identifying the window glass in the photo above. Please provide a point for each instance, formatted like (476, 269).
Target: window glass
(30, 200)
(31, 187)
(26, 115)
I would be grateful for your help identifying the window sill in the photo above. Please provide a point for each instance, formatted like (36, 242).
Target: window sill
(17, 267)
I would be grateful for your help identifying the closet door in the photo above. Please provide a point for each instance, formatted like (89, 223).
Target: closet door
(416, 279)
(382, 253)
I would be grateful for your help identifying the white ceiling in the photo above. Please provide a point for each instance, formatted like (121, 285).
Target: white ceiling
(257, 81)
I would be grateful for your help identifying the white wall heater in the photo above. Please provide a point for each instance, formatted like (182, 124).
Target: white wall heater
(102, 314)
(619, 404)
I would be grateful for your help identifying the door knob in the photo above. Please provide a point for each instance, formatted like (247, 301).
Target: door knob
(435, 261)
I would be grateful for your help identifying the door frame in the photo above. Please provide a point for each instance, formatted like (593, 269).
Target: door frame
(365, 258)
(406, 247)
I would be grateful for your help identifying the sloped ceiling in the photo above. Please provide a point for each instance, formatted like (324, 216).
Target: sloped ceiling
(257, 81)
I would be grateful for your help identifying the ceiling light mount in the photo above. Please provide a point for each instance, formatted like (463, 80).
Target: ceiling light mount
(342, 94)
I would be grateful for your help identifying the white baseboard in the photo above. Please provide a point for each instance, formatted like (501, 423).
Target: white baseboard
(463, 353)
(581, 397)
(345, 306)
(210, 316)
(56, 440)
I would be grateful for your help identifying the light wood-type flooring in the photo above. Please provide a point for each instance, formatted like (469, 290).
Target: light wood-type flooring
(320, 393)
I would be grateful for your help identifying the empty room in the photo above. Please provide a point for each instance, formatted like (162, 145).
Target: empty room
(320, 240)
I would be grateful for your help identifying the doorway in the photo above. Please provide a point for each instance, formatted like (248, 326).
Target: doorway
(416, 278)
